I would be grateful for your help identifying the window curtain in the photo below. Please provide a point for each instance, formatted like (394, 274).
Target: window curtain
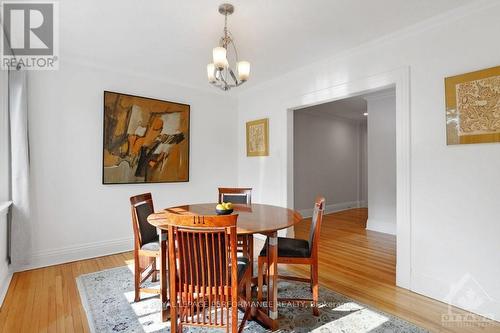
(20, 228)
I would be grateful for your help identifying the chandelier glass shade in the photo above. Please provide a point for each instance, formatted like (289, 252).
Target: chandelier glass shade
(221, 72)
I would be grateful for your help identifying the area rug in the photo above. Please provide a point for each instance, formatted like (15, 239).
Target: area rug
(108, 300)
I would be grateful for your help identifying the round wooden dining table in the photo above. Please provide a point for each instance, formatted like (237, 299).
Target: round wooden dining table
(252, 219)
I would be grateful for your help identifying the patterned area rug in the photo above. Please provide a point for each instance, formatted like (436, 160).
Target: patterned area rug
(108, 299)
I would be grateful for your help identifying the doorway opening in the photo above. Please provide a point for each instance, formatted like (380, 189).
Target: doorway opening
(398, 79)
(345, 150)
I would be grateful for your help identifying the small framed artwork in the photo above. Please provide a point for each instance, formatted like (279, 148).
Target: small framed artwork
(145, 140)
(473, 107)
(258, 137)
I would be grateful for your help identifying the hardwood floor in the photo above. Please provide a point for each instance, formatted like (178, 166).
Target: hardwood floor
(47, 299)
(355, 262)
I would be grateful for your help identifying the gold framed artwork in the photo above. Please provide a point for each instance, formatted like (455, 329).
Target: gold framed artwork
(473, 107)
(258, 137)
(146, 140)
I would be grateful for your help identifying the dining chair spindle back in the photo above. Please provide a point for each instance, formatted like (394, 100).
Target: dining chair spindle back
(207, 272)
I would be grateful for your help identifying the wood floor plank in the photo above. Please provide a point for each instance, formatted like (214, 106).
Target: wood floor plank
(7, 304)
(30, 321)
(52, 319)
(60, 316)
(77, 308)
(43, 301)
(17, 311)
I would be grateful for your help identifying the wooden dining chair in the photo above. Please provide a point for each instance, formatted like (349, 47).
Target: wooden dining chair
(240, 196)
(298, 251)
(236, 195)
(206, 274)
(146, 244)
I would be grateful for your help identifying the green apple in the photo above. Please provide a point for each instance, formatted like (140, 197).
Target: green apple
(229, 205)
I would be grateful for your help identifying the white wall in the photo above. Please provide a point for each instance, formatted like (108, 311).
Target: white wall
(382, 162)
(5, 275)
(4, 137)
(4, 187)
(74, 215)
(326, 160)
(454, 190)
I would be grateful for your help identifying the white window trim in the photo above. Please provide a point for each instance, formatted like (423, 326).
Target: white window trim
(4, 143)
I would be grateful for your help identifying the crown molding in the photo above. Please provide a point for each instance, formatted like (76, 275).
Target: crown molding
(73, 59)
(402, 34)
(422, 26)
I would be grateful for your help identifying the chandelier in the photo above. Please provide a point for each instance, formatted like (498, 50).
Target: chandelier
(220, 73)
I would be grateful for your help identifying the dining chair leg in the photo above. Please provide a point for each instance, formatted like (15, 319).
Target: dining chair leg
(154, 276)
(260, 277)
(172, 276)
(137, 279)
(245, 318)
(234, 315)
(248, 299)
(248, 289)
(315, 288)
(250, 253)
(163, 277)
(311, 277)
(244, 245)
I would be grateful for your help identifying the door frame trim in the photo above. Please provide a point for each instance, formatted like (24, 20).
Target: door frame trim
(399, 79)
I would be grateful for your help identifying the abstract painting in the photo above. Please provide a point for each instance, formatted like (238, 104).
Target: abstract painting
(145, 140)
(473, 107)
(258, 137)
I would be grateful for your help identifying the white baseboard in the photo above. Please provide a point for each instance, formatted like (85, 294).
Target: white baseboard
(451, 292)
(4, 286)
(334, 208)
(78, 252)
(380, 226)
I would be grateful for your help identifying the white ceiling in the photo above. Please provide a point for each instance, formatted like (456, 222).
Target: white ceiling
(173, 39)
(352, 108)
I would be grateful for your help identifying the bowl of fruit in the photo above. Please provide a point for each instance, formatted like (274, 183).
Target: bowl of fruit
(224, 208)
